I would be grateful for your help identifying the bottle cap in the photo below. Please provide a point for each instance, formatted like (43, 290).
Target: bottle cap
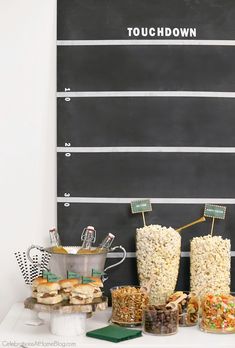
(90, 228)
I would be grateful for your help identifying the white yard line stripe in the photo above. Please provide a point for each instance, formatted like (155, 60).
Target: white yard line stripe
(133, 254)
(120, 254)
(153, 42)
(113, 149)
(188, 94)
(115, 200)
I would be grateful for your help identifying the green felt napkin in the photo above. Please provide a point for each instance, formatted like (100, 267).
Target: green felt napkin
(114, 333)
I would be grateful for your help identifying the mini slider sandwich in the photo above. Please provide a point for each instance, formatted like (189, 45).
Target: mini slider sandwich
(66, 287)
(35, 283)
(49, 293)
(97, 284)
(82, 294)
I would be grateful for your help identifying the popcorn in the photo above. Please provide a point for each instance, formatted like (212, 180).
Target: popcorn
(158, 258)
(210, 265)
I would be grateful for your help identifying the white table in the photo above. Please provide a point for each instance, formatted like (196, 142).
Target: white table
(14, 332)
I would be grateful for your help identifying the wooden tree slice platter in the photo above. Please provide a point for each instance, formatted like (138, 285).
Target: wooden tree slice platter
(98, 304)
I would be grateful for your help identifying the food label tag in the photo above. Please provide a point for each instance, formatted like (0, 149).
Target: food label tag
(97, 273)
(72, 275)
(45, 274)
(53, 278)
(86, 280)
(215, 211)
(141, 206)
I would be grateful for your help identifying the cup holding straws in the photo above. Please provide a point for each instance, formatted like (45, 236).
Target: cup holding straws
(32, 273)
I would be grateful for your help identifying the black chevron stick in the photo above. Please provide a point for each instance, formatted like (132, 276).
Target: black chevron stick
(20, 262)
(27, 268)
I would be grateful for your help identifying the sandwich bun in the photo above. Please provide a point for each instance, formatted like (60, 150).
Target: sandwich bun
(34, 294)
(50, 300)
(84, 289)
(96, 281)
(48, 287)
(78, 301)
(37, 281)
(68, 283)
(97, 293)
(65, 295)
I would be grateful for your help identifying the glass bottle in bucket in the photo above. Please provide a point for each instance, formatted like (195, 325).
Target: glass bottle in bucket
(56, 246)
(54, 237)
(88, 238)
(107, 241)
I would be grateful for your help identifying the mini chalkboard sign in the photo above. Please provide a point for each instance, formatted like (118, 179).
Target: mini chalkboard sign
(45, 274)
(215, 212)
(87, 280)
(73, 275)
(96, 273)
(53, 278)
(141, 206)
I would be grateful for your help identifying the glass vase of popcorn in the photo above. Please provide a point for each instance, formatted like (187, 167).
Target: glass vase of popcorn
(210, 265)
(158, 256)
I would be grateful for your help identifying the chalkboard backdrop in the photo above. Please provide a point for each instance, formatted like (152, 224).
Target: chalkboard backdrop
(145, 109)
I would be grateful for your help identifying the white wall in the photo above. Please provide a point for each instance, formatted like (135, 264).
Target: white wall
(27, 134)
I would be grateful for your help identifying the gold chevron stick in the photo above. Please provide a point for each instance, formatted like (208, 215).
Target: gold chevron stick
(202, 219)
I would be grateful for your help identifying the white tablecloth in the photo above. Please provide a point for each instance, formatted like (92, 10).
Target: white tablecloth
(14, 332)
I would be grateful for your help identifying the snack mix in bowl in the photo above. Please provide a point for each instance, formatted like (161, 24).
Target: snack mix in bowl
(188, 308)
(160, 320)
(128, 303)
(218, 313)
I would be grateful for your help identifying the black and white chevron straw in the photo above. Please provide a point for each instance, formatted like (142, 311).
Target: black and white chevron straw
(23, 268)
(29, 270)
(45, 261)
(34, 268)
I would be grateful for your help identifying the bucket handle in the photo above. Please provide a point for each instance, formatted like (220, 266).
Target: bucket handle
(117, 263)
(39, 265)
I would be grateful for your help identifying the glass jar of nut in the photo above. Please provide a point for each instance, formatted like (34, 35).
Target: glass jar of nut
(128, 303)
